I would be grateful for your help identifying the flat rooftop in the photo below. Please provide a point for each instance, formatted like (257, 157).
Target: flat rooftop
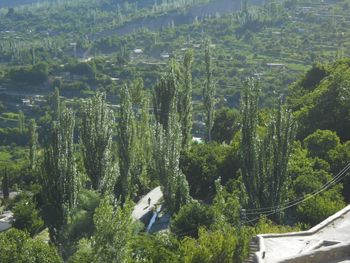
(332, 231)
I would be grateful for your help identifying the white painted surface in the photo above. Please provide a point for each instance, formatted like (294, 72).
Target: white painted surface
(278, 247)
(6, 220)
(142, 207)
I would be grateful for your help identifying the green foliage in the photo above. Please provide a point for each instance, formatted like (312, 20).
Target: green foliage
(126, 183)
(339, 159)
(167, 146)
(83, 253)
(82, 68)
(81, 220)
(265, 158)
(266, 226)
(327, 106)
(26, 216)
(205, 163)
(21, 122)
(318, 208)
(16, 246)
(165, 95)
(314, 76)
(59, 176)
(309, 176)
(33, 144)
(321, 142)
(185, 101)
(190, 218)
(226, 124)
(159, 247)
(210, 247)
(208, 91)
(227, 206)
(33, 75)
(114, 230)
(96, 138)
(143, 148)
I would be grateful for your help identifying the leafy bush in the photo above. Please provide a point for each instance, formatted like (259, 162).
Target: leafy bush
(16, 246)
(27, 216)
(190, 218)
(318, 208)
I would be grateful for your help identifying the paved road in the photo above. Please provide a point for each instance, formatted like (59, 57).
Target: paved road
(5, 220)
(142, 208)
(4, 226)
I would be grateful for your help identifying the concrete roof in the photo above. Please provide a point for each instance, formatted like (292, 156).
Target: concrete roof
(332, 232)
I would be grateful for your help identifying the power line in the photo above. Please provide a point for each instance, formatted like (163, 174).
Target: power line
(303, 200)
(272, 208)
(276, 209)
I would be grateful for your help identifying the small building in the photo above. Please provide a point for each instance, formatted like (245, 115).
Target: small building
(328, 241)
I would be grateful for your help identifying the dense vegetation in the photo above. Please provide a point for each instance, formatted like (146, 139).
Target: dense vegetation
(84, 137)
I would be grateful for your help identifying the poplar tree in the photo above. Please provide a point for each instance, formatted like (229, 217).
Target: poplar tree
(249, 144)
(208, 91)
(96, 138)
(185, 107)
(265, 157)
(143, 147)
(33, 142)
(56, 104)
(167, 147)
(21, 122)
(114, 230)
(126, 145)
(59, 175)
(275, 151)
(166, 93)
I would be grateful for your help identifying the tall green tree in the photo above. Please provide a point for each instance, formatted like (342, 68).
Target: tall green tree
(113, 235)
(21, 122)
(59, 176)
(185, 104)
(208, 91)
(33, 142)
(56, 104)
(275, 151)
(166, 93)
(96, 137)
(143, 150)
(265, 156)
(126, 145)
(167, 147)
(249, 144)
(5, 184)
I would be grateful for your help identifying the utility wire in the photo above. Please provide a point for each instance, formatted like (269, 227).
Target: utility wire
(303, 200)
(272, 208)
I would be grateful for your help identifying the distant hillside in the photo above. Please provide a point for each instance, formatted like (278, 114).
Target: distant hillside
(14, 3)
